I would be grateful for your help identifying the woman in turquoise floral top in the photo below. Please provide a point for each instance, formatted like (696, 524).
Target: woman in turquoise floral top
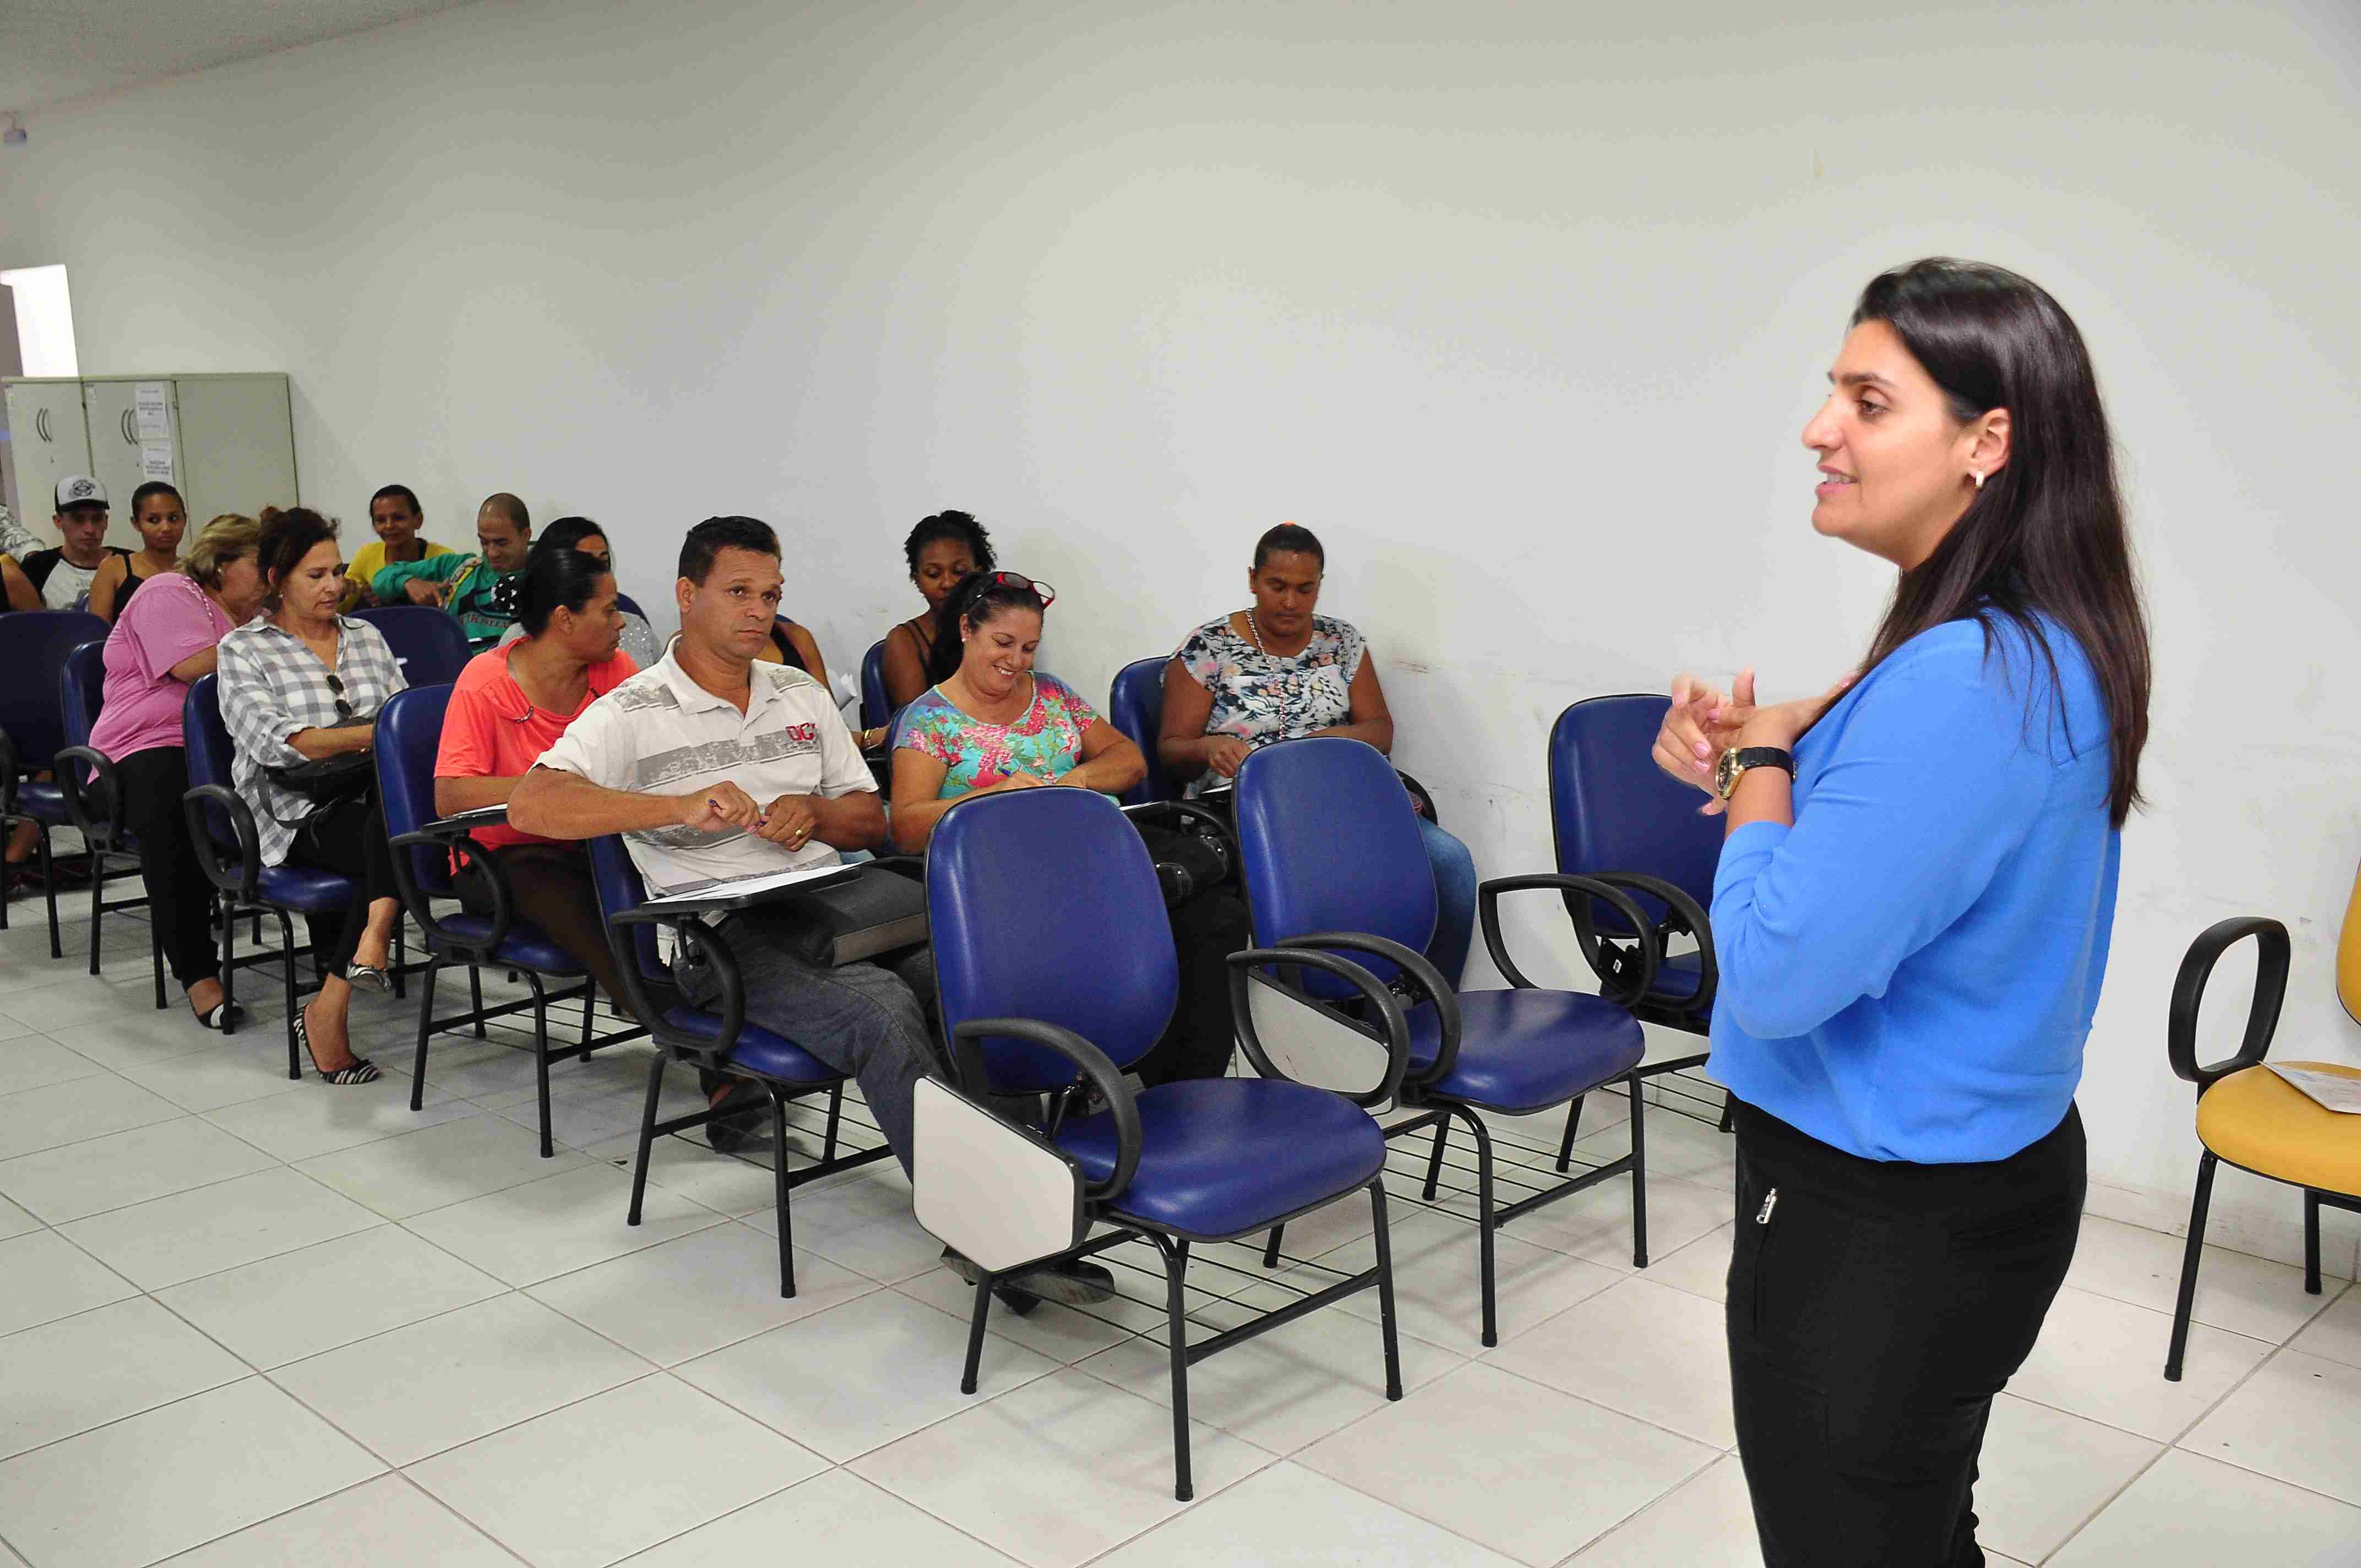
(993, 724)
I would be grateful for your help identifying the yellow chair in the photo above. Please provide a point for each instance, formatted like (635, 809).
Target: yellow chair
(2250, 1117)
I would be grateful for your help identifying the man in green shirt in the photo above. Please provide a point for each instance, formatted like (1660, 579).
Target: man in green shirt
(481, 589)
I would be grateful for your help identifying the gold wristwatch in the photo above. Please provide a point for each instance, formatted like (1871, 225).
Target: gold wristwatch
(1735, 762)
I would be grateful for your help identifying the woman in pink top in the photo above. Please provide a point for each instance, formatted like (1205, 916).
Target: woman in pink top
(164, 639)
(508, 706)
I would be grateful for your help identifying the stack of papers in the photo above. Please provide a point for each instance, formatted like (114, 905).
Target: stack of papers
(2329, 1090)
(739, 887)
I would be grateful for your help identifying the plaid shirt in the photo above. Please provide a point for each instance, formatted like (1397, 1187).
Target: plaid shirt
(271, 686)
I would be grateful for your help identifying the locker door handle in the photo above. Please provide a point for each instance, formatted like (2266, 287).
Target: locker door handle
(41, 424)
(130, 437)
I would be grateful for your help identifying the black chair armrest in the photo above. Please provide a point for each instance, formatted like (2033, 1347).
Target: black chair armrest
(2271, 957)
(1417, 973)
(702, 941)
(454, 838)
(1103, 1075)
(1387, 1004)
(1488, 907)
(239, 884)
(1418, 792)
(1684, 913)
(8, 774)
(95, 826)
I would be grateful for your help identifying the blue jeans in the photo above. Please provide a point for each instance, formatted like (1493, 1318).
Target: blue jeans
(1455, 900)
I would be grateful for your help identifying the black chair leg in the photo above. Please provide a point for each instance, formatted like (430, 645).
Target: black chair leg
(540, 1056)
(1176, 1319)
(781, 1184)
(1573, 1126)
(1485, 1225)
(50, 892)
(590, 1014)
(228, 975)
(2188, 1262)
(828, 1141)
(286, 971)
(2311, 1241)
(426, 1023)
(1270, 1248)
(647, 1132)
(476, 997)
(1639, 1176)
(97, 902)
(401, 961)
(1435, 1160)
(975, 1333)
(1385, 1289)
(1729, 1116)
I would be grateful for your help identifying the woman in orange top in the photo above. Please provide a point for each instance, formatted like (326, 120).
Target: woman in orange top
(508, 706)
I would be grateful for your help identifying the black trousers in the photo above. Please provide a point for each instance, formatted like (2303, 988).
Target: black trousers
(179, 900)
(1207, 928)
(1875, 1310)
(348, 838)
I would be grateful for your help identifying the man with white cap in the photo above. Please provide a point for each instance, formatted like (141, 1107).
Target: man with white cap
(62, 576)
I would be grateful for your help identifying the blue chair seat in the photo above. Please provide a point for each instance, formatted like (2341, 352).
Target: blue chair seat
(1679, 975)
(44, 800)
(758, 1051)
(304, 889)
(527, 946)
(1224, 1156)
(1528, 1050)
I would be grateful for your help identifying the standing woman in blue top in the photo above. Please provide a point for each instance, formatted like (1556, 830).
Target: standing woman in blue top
(1912, 916)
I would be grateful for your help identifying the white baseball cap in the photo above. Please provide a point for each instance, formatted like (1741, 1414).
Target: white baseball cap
(80, 490)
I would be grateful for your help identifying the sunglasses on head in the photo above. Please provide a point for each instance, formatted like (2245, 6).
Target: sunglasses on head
(981, 586)
(337, 689)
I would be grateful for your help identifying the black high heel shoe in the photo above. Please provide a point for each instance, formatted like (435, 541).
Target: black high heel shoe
(362, 1070)
(221, 1014)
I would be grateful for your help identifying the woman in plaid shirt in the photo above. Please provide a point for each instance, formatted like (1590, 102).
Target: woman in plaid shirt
(301, 683)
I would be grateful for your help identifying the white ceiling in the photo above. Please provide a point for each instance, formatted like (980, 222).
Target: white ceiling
(51, 50)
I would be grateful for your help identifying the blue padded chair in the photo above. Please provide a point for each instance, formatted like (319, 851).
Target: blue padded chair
(1024, 892)
(428, 643)
(229, 851)
(1616, 817)
(722, 1041)
(627, 603)
(1333, 862)
(875, 707)
(113, 851)
(1136, 706)
(409, 731)
(33, 646)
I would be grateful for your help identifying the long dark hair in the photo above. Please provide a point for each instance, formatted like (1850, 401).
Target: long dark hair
(979, 599)
(2045, 535)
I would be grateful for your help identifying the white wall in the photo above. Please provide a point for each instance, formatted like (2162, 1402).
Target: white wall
(1522, 307)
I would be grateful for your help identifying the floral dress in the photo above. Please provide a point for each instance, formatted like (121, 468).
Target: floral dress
(1045, 741)
(1260, 699)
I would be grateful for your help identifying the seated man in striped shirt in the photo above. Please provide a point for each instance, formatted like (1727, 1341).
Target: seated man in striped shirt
(713, 766)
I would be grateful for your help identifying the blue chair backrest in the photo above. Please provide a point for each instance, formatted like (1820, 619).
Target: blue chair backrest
(33, 647)
(82, 685)
(409, 733)
(1044, 905)
(1612, 809)
(875, 707)
(620, 888)
(1328, 841)
(209, 750)
(1136, 706)
(626, 602)
(427, 642)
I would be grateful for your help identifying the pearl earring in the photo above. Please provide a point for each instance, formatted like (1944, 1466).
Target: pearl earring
(1977, 474)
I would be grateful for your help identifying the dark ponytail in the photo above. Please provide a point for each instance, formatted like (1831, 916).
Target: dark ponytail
(563, 578)
(978, 600)
(2045, 535)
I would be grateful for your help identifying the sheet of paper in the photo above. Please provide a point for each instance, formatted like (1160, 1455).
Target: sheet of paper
(733, 887)
(2330, 1091)
(153, 402)
(479, 816)
(155, 460)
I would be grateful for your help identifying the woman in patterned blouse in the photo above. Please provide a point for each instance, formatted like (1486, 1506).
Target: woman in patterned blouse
(1278, 671)
(299, 684)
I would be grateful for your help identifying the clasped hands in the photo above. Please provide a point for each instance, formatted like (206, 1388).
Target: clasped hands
(788, 821)
(1702, 723)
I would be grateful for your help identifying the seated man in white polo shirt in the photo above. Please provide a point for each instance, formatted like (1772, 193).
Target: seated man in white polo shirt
(712, 765)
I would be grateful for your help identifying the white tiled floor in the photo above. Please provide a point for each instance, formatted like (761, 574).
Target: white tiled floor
(248, 1322)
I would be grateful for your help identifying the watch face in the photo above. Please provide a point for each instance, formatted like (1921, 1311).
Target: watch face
(1725, 774)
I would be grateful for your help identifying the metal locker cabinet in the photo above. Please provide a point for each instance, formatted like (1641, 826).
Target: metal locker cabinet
(236, 445)
(114, 447)
(49, 441)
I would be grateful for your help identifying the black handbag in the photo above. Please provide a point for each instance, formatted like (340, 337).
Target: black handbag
(329, 781)
(881, 908)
